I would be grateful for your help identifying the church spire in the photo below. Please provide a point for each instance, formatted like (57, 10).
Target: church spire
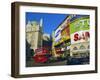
(41, 22)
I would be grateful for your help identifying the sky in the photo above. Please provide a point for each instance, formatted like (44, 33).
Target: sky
(50, 21)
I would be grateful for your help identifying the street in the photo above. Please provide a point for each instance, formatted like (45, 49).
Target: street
(31, 63)
(71, 61)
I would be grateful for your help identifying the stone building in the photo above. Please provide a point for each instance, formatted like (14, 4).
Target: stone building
(34, 34)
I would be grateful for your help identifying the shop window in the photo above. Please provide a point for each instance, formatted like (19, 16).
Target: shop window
(83, 54)
(76, 55)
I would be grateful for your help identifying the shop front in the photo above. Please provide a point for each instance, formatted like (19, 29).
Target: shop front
(80, 50)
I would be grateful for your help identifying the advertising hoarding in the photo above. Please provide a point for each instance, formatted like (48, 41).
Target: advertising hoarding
(79, 29)
(65, 33)
(57, 34)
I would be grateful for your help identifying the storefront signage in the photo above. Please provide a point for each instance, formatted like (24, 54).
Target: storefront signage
(57, 34)
(79, 24)
(81, 36)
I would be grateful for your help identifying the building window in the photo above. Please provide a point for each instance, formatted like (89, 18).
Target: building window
(83, 54)
(88, 46)
(75, 48)
(82, 47)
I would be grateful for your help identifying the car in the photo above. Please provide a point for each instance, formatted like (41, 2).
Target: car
(77, 61)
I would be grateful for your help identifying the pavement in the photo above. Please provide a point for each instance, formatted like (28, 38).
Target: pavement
(72, 61)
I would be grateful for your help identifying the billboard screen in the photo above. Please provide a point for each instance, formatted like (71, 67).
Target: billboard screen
(65, 33)
(79, 29)
(57, 34)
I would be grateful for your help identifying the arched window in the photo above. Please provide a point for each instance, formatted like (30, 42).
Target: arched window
(82, 47)
(75, 48)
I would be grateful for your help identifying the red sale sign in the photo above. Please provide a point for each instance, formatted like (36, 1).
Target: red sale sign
(80, 36)
(84, 36)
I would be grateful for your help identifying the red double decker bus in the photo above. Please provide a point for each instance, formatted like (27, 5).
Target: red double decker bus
(41, 55)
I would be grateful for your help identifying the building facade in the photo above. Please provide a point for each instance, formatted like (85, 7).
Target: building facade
(34, 34)
(61, 39)
(80, 36)
(72, 36)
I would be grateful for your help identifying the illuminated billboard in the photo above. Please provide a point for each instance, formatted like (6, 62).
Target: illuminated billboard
(65, 33)
(57, 34)
(79, 29)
